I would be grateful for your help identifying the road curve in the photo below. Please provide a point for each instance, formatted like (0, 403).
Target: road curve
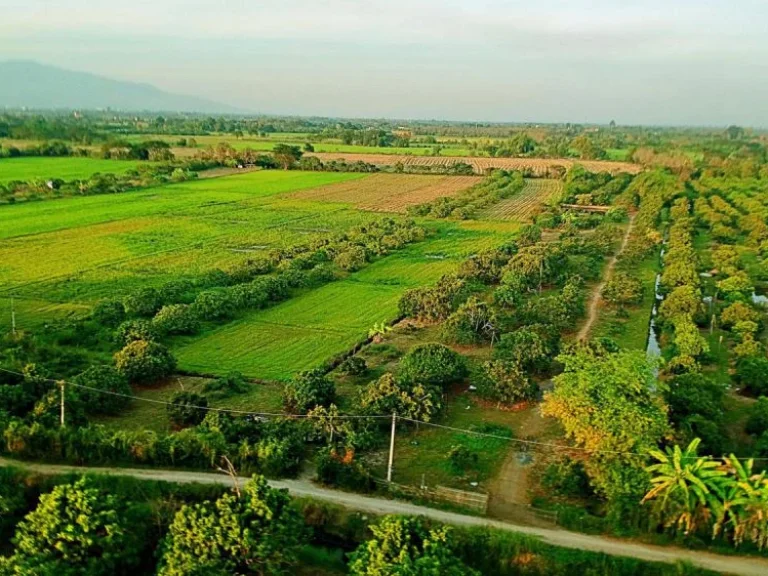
(741, 565)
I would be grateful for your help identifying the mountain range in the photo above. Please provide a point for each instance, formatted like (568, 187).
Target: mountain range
(28, 84)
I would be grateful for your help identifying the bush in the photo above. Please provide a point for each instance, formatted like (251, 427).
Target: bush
(186, 410)
(343, 471)
(526, 347)
(143, 302)
(109, 312)
(176, 319)
(145, 362)
(307, 390)
(432, 364)
(229, 385)
(757, 423)
(474, 322)
(506, 383)
(132, 330)
(211, 305)
(461, 459)
(752, 374)
(104, 378)
(567, 477)
(353, 366)
(351, 260)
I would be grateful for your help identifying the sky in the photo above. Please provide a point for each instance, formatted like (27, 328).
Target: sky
(665, 62)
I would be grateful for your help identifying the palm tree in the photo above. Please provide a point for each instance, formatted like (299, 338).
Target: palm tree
(685, 483)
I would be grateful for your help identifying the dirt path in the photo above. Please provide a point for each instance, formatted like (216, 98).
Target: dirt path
(508, 493)
(594, 303)
(740, 565)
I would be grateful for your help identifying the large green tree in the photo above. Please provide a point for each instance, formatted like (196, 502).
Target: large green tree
(403, 546)
(255, 532)
(78, 529)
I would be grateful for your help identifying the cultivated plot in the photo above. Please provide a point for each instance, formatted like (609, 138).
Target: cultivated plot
(389, 192)
(69, 168)
(522, 206)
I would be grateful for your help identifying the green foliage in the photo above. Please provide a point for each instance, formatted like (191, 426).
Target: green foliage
(351, 259)
(176, 319)
(757, 423)
(231, 384)
(214, 305)
(108, 312)
(474, 322)
(353, 366)
(109, 380)
(462, 459)
(432, 364)
(609, 403)
(505, 382)
(187, 409)
(407, 399)
(526, 347)
(435, 303)
(343, 471)
(133, 330)
(752, 374)
(407, 547)
(144, 362)
(78, 530)
(566, 477)
(254, 532)
(623, 290)
(143, 302)
(307, 390)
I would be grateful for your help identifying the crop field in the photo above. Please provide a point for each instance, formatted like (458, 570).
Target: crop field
(525, 204)
(69, 168)
(306, 331)
(389, 192)
(539, 166)
(75, 251)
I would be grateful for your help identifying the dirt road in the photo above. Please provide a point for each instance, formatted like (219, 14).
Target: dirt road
(594, 303)
(740, 565)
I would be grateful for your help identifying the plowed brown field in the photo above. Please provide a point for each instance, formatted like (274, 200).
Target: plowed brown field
(539, 166)
(389, 192)
(523, 205)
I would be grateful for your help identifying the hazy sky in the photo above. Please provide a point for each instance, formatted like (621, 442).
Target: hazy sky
(652, 61)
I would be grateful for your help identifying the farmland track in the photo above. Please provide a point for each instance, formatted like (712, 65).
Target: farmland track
(523, 205)
(741, 565)
(594, 304)
(539, 166)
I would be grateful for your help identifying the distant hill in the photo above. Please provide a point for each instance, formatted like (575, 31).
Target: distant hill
(34, 85)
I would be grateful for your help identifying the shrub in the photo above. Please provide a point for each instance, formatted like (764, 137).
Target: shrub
(526, 347)
(506, 383)
(352, 259)
(752, 374)
(461, 459)
(143, 302)
(757, 423)
(132, 330)
(185, 409)
(307, 390)
(212, 305)
(567, 477)
(144, 362)
(474, 322)
(176, 319)
(432, 364)
(353, 366)
(226, 386)
(343, 471)
(109, 312)
(104, 378)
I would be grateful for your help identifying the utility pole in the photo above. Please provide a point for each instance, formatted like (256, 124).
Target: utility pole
(62, 403)
(392, 447)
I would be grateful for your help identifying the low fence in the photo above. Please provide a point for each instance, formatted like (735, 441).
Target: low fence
(475, 501)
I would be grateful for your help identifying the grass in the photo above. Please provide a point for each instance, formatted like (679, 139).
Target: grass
(143, 415)
(631, 331)
(314, 327)
(69, 168)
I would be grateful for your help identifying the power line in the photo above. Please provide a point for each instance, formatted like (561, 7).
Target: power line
(534, 443)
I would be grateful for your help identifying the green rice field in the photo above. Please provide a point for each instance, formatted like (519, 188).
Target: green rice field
(69, 168)
(59, 257)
